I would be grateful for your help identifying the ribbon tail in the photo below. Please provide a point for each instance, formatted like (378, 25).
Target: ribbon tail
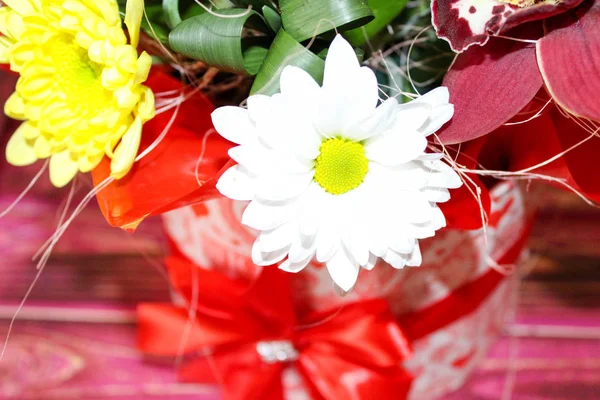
(330, 377)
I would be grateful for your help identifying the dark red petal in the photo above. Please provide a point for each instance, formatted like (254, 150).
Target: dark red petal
(509, 148)
(582, 161)
(489, 85)
(537, 12)
(569, 60)
(165, 179)
(7, 87)
(464, 23)
(463, 210)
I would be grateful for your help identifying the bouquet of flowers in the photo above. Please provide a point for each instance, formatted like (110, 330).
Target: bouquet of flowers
(307, 156)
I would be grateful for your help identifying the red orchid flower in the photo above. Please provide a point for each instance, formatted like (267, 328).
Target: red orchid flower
(490, 84)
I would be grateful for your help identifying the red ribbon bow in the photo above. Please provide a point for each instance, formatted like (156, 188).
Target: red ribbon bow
(350, 353)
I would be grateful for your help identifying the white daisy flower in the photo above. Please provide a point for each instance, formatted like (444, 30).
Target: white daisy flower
(330, 175)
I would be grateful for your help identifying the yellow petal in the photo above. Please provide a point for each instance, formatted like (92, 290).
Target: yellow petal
(127, 59)
(31, 131)
(5, 14)
(19, 151)
(88, 163)
(63, 168)
(134, 12)
(126, 99)
(109, 10)
(15, 28)
(36, 86)
(113, 79)
(42, 148)
(146, 110)
(23, 7)
(127, 150)
(21, 53)
(143, 68)
(15, 107)
(5, 49)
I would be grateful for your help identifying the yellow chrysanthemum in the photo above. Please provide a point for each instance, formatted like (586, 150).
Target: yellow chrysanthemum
(80, 89)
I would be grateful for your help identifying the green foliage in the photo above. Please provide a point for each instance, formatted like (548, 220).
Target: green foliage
(217, 40)
(284, 51)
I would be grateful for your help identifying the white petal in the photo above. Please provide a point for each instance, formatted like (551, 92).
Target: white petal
(431, 157)
(402, 243)
(411, 116)
(284, 126)
(340, 65)
(236, 183)
(292, 267)
(421, 231)
(343, 269)
(311, 209)
(260, 107)
(442, 110)
(436, 194)
(394, 148)
(263, 259)
(445, 177)
(436, 97)
(328, 242)
(282, 186)
(437, 119)
(267, 215)
(278, 238)
(371, 263)
(349, 94)
(356, 241)
(438, 220)
(395, 259)
(234, 124)
(416, 207)
(249, 158)
(416, 259)
(300, 87)
(302, 247)
(342, 108)
(377, 122)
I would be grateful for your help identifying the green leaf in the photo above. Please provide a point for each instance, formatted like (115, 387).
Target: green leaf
(385, 11)
(217, 40)
(304, 19)
(272, 17)
(171, 9)
(256, 4)
(285, 51)
(157, 28)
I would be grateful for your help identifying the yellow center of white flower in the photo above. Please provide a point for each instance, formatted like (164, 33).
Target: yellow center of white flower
(341, 165)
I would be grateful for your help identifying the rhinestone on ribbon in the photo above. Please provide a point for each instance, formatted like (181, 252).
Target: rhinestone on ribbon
(279, 351)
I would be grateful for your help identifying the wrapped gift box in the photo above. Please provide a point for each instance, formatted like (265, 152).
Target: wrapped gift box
(451, 308)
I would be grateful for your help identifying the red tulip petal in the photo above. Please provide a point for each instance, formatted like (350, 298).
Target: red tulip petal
(488, 86)
(583, 160)
(569, 59)
(464, 23)
(165, 179)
